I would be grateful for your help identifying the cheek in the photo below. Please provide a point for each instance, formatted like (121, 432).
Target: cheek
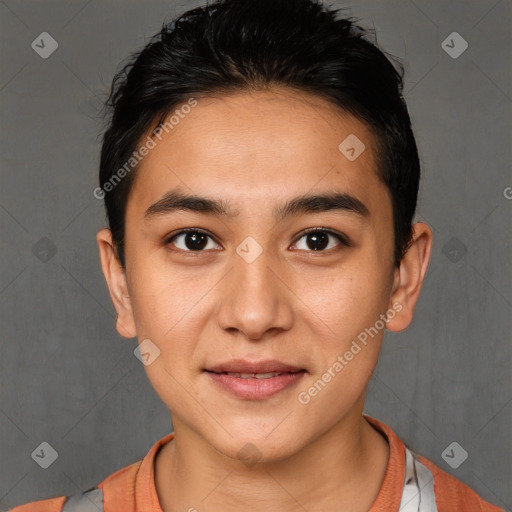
(166, 306)
(349, 299)
(171, 307)
(163, 296)
(348, 345)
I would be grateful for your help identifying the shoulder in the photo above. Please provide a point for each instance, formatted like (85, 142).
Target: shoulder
(119, 491)
(49, 505)
(115, 485)
(450, 491)
(423, 485)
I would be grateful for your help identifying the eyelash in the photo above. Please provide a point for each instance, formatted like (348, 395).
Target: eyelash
(344, 241)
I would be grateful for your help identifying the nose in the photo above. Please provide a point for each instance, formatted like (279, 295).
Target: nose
(255, 299)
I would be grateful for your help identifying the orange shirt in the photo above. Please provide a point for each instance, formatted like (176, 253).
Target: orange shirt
(132, 489)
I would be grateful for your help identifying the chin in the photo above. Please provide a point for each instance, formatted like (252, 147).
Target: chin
(251, 446)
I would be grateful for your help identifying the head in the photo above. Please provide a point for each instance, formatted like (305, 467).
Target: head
(278, 135)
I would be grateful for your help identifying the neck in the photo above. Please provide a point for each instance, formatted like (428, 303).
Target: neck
(342, 469)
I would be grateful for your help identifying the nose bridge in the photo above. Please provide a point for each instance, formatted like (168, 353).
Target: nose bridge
(253, 269)
(254, 300)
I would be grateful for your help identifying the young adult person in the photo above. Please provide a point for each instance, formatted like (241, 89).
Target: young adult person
(260, 177)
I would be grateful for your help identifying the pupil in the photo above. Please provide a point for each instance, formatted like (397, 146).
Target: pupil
(319, 240)
(198, 241)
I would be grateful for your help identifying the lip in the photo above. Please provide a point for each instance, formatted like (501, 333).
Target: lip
(252, 388)
(245, 366)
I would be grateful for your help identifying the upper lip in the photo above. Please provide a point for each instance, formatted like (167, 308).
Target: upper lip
(244, 366)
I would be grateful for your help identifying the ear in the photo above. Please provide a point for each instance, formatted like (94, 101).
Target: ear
(117, 285)
(409, 277)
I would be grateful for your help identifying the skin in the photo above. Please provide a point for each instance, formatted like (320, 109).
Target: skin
(256, 150)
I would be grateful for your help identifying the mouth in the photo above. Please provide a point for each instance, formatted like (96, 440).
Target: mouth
(269, 367)
(254, 380)
(267, 375)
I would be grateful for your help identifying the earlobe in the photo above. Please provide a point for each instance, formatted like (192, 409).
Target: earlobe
(115, 277)
(409, 277)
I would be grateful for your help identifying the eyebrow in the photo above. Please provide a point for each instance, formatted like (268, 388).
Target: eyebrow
(176, 200)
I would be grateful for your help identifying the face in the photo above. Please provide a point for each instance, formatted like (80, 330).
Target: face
(264, 282)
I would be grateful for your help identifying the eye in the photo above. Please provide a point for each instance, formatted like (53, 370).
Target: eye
(196, 240)
(192, 240)
(317, 239)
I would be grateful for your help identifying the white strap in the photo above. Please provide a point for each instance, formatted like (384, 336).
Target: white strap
(418, 494)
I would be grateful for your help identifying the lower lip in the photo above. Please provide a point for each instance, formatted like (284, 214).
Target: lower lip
(256, 389)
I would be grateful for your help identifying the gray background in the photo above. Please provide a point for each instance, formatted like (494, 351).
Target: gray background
(69, 379)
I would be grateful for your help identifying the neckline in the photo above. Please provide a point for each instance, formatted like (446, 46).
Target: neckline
(387, 499)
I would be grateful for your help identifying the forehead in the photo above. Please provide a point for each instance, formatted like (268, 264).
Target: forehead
(255, 145)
